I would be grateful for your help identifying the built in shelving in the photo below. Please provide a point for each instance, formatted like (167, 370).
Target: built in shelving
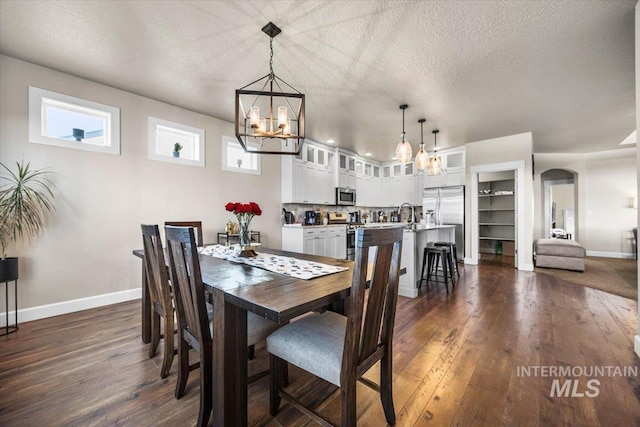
(496, 214)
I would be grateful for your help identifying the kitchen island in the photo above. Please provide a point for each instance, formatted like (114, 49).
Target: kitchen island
(413, 244)
(330, 240)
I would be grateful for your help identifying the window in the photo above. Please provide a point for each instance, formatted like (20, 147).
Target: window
(235, 159)
(66, 121)
(164, 135)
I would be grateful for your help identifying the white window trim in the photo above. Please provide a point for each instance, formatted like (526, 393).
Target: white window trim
(227, 139)
(111, 115)
(151, 138)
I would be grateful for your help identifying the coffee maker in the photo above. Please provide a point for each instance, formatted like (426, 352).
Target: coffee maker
(311, 217)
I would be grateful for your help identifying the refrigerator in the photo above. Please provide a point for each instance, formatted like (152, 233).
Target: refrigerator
(447, 203)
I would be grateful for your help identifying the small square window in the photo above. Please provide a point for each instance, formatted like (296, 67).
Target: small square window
(235, 159)
(163, 137)
(66, 121)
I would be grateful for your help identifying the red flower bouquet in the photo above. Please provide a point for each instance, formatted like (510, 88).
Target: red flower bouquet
(245, 213)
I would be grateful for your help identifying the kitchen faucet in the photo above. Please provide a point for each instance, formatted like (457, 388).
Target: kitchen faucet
(413, 211)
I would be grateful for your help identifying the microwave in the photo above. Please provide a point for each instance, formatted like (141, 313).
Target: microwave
(345, 196)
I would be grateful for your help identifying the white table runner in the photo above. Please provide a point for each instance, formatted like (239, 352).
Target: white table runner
(294, 267)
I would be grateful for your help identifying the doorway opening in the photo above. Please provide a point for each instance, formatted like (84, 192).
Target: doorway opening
(508, 192)
(497, 218)
(560, 204)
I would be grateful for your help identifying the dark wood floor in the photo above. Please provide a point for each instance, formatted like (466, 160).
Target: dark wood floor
(455, 361)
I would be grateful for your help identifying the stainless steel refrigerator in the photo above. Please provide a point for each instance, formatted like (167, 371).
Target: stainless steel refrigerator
(447, 204)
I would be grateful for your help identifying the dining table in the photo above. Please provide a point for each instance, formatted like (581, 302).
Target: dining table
(234, 289)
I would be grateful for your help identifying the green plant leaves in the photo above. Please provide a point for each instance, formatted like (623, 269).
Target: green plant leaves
(25, 200)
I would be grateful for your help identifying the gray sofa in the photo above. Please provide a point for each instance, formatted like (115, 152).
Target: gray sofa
(560, 253)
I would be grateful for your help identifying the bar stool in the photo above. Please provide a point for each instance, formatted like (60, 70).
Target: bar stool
(454, 252)
(431, 257)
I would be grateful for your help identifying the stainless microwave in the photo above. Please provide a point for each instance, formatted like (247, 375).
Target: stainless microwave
(345, 196)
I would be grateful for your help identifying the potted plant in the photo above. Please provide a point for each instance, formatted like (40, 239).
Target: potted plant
(176, 149)
(25, 200)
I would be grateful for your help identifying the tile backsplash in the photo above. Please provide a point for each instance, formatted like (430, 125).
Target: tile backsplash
(298, 211)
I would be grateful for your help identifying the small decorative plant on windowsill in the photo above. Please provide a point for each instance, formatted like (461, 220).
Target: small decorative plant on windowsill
(25, 200)
(245, 213)
(176, 149)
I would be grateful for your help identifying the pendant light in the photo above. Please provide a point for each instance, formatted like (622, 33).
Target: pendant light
(422, 157)
(403, 149)
(270, 112)
(435, 163)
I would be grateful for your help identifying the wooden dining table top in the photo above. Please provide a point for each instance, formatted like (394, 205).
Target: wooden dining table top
(275, 296)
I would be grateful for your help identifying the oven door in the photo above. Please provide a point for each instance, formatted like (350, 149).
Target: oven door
(345, 197)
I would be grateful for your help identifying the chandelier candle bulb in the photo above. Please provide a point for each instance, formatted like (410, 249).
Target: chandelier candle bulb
(282, 117)
(263, 125)
(254, 116)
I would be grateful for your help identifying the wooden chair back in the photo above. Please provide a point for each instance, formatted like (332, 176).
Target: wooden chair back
(156, 270)
(197, 225)
(369, 334)
(186, 277)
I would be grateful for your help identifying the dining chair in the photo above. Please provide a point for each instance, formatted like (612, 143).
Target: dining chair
(160, 295)
(194, 327)
(195, 224)
(340, 349)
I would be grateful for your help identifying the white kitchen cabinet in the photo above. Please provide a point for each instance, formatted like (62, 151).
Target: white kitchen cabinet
(453, 164)
(309, 177)
(298, 182)
(446, 179)
(346, 179)
(408, 190)
(346, 171)
(328, 241)
(362, 196)
(373, 190)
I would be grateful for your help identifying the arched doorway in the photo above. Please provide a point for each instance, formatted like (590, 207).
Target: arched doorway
(560, 207)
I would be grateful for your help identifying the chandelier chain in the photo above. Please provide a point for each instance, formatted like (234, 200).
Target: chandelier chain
(271, 74)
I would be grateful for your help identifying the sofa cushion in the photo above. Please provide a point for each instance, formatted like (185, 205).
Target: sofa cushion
(560, 247)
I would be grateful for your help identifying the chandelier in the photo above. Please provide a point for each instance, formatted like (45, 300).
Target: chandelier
(270, 119)
(403, 149)
(435, 163)
(422, 157)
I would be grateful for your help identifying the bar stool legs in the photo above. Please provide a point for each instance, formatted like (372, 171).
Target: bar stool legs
(433, 256)
(454, 254)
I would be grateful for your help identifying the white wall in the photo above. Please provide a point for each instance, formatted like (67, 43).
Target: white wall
(102, 199)
(606, 182)
(637, 23)
(502, 150)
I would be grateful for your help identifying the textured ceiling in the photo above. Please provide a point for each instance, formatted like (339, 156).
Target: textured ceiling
(563, 70)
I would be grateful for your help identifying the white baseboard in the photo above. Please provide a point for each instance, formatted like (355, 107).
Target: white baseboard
(525, 267)
(636, 344)
(471, 261)
(65, 307)
(601, 254)
(407, 291)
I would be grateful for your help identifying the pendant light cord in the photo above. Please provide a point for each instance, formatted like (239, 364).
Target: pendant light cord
(403, 133)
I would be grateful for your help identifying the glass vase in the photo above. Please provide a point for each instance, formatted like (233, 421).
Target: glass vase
(244, 232)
